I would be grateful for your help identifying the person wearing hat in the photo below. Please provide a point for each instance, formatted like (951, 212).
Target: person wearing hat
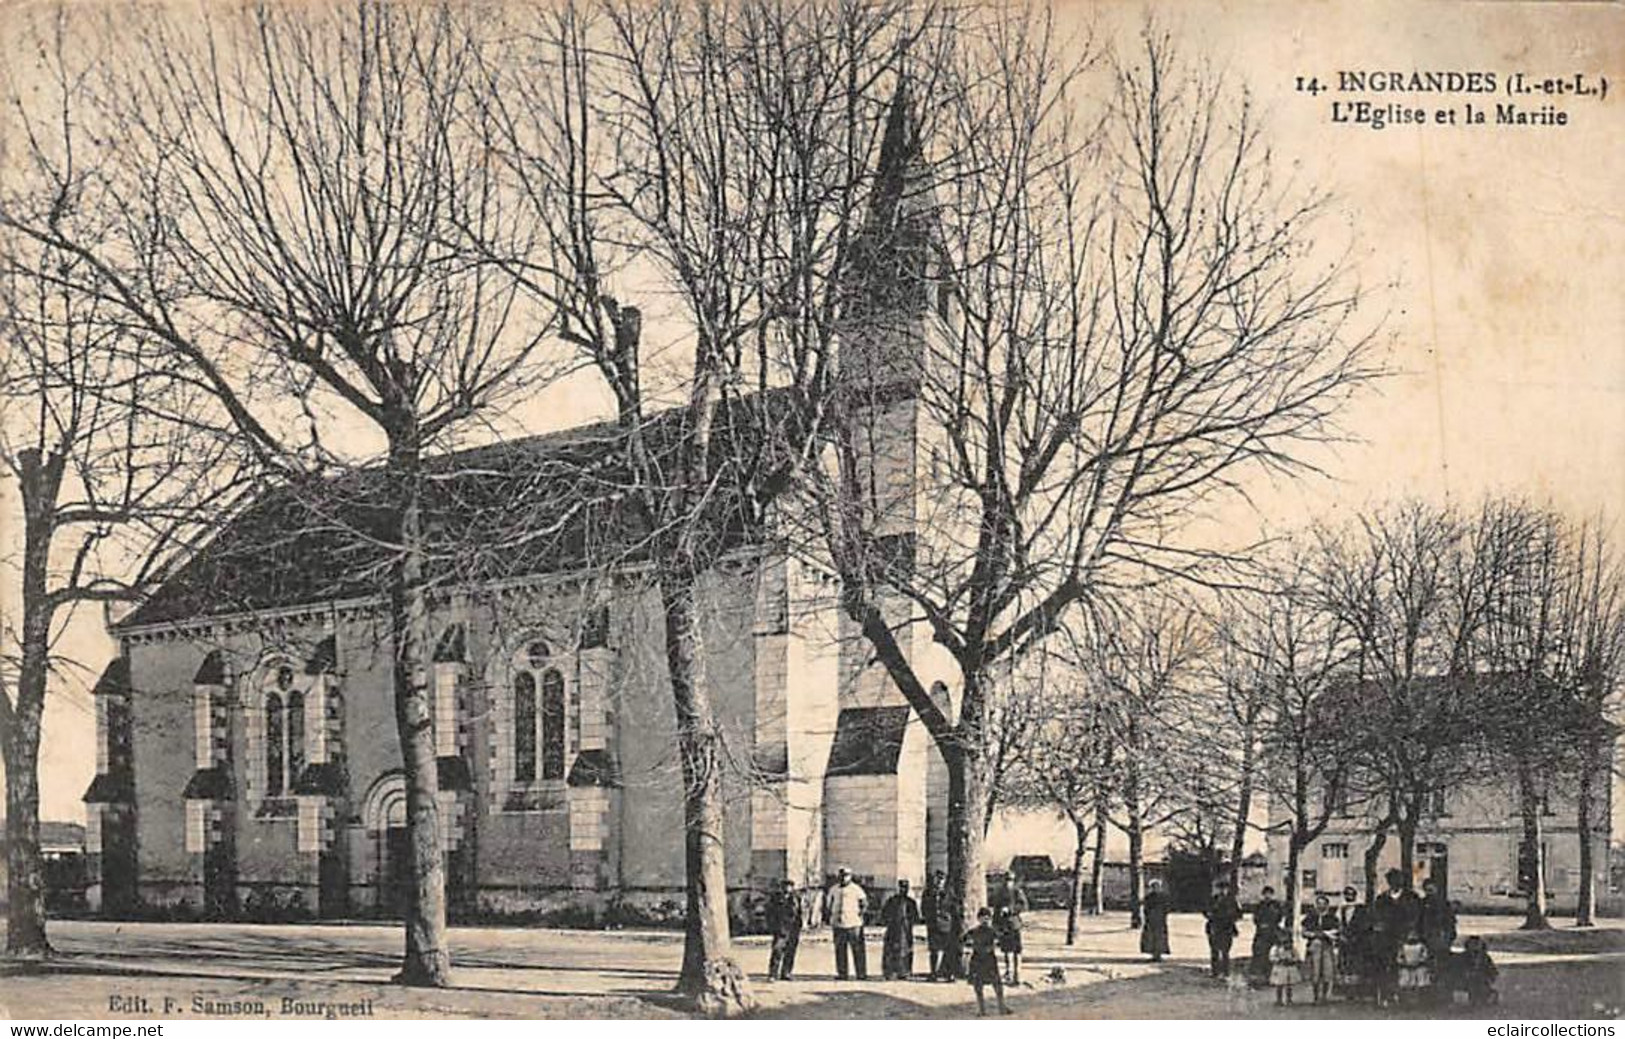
(1223, 913)
(1354, 969)
(939, 924)
(784, 921)
(900, 914)
(1268, 916)
(1394, 914)
(844, 906)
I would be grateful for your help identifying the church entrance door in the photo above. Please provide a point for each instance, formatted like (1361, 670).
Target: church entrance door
(396, 876)
(383, 813)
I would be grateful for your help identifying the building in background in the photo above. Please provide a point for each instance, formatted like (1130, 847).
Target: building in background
(1469, 843)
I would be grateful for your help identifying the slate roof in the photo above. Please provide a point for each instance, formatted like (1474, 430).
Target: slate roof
(453, 773)
(58, 836)
(116, 788)
(520, 507)
(594, 768)
(208, 784)
(326, 658)
(868, 741)
(324, 778)
(212, 671)
(114, 680)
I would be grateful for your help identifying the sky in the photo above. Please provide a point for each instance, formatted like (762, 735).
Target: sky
(1494, 252)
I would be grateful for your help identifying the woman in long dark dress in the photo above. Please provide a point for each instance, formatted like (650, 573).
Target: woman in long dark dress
(899, 915)
(1267, 918)
(1354, 946)
(1154, 931)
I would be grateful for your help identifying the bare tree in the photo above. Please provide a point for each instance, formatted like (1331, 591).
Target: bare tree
(1244, 703)
(1066, 764)
(1517, 560)
(1096, 365)
(727, 157)
(1549, 643)
(1147, 660)
(114, 485)
(1300, 651)
(1591, 609)
(1391, 581)
(288, 181)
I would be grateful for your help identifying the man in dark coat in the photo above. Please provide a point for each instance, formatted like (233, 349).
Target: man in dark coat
(900, 915)
(1223, 914)
(1395, 912)
(1154, 931)
(1268, 916)
(784, 923)
(1322, 930)
(938, 924)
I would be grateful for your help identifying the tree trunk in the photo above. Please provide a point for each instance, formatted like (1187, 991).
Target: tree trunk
(967, 875)
(1373, 855)
(1136, 878)
(1097, 872)
(1534, 912)
(1244, 809)
(427, 960)
(25, 927)
(25, 894)
(1407, 845)
(1081, 830)
(1585, 904)
(709, 974)
(1292, 882)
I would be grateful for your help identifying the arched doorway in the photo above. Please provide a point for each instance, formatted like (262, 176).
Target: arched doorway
(384, 815)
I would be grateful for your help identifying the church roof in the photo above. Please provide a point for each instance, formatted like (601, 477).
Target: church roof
(517, 508)
(325, 660)
(208, 784)
(868, 741)
(114, 680)
(110, 788)
(212, 671)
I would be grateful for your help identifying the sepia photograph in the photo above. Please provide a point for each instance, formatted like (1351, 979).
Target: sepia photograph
(812, 509)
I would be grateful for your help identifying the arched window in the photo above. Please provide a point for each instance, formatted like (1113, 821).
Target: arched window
(281, 748)
(540, 716)
(296, 737)
(273, 745)
(552, 724)
(524, 727)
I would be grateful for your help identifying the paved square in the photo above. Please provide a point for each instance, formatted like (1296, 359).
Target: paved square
(192, 970)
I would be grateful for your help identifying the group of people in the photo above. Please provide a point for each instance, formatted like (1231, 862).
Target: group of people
(1398, 948)
(846, 906)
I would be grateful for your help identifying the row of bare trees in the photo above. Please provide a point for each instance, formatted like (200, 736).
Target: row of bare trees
(321, 240)
(1364, 673)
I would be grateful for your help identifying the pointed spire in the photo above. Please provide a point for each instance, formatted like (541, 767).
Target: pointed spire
(900, 167)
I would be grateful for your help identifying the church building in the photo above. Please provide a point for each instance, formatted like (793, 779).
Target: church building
(247, 756)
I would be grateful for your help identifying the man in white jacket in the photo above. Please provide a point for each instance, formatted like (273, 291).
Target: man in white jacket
(844, 906)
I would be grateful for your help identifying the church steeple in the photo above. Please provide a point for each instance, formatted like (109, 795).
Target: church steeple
(890, 287)
(900, 171)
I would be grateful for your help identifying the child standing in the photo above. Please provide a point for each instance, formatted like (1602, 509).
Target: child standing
(1283, 968)
(983, 968)
(1414, 962)
(1478, 973)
